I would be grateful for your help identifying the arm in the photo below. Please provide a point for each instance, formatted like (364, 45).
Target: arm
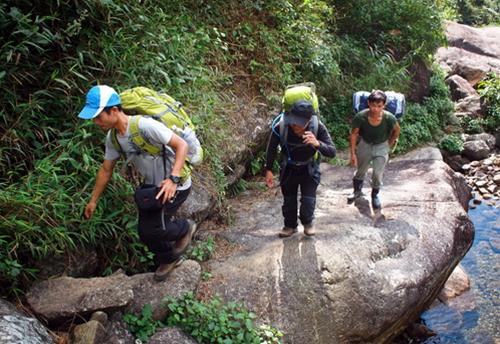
(272, 145)
(168, 187)
(102, 179)
(353, 140)
(325, 144)
(394, 134)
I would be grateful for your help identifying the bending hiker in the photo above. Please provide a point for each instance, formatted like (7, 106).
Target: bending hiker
(302, 137)
(377, 131)
(167, 238)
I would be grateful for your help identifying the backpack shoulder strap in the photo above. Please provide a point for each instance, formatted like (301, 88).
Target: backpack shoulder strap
(314, 125)
(139, 140)
(116, 143)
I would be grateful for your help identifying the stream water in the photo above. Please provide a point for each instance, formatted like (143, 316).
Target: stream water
(474, 317)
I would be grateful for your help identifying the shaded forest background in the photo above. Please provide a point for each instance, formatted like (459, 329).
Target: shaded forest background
(211, 55)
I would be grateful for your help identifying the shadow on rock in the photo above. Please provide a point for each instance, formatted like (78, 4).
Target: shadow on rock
(302, 294)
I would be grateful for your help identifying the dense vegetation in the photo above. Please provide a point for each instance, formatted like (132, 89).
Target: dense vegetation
(211, 55)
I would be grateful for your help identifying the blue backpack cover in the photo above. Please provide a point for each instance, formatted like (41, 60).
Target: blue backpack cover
(395, 104)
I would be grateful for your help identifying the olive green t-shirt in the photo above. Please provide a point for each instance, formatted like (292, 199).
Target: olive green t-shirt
(371, 134)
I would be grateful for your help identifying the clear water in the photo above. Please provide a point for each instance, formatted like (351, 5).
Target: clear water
(474, 317)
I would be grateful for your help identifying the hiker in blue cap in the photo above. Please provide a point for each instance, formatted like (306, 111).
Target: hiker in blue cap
(302, 138)
(167, 238)
(374, 132)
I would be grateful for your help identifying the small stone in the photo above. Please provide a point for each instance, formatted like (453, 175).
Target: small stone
(492, 189)
(466, 167)
(483, 191)
(487, 162)
(101, 317)
(481, 183)
(496, 179)
(475, 163)
(477, 201)
(487, 196)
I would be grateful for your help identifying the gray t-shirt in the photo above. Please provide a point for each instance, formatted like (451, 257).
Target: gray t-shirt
(151, 167)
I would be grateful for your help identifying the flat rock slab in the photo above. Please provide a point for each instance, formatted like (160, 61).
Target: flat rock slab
(365, 276)
(65, 298)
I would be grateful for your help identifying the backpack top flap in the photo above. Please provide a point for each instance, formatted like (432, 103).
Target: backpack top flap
(300, 92)
(147, 102)
(395, 104)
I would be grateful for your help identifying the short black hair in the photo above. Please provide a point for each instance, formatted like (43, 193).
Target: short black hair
(377, 96)
(108, 108)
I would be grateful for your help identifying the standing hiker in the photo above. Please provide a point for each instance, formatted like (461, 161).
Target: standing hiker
(302, 138)
(167, 238)
(377, 131)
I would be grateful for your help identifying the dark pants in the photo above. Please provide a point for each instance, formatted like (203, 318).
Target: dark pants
(158, 239)
(292, 179)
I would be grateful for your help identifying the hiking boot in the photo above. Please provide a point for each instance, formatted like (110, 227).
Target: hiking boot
(309, 230)
(287, 231)
(357, 192)
(181, 245)
(164, 270)
(375, 199)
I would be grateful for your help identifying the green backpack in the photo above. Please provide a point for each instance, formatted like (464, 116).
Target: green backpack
(143, 101)
(303, 91)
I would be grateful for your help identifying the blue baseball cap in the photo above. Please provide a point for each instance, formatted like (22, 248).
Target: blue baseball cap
(98, 98)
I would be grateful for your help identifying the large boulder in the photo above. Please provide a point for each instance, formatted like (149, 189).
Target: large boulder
(476, 150)
(365, 276)
(472, 105)
(489, 139)
(459, 87)
(16, 328)
(482, 41)
(471, 53)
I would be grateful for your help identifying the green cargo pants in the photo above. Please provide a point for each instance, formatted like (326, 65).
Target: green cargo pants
(378, 155)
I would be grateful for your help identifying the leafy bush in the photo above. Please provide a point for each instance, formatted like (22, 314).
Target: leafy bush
(401, 28)
(216, 322)
(489, 89)
(452, 143)
(201, 250)
(477, 12)
(42, 215)
(423, 123)
(472, 125)
(142, 326)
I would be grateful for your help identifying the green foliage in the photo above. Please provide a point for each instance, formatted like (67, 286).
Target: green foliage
(240, 186)
(452, 143)
(42, 215)
(215, 322)
(142, 326)
(400, 27)
(337, 117)
(489, 89)
(477, 12)
(423, 123)
(206, 275)
(472, 125)
(201, 250)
